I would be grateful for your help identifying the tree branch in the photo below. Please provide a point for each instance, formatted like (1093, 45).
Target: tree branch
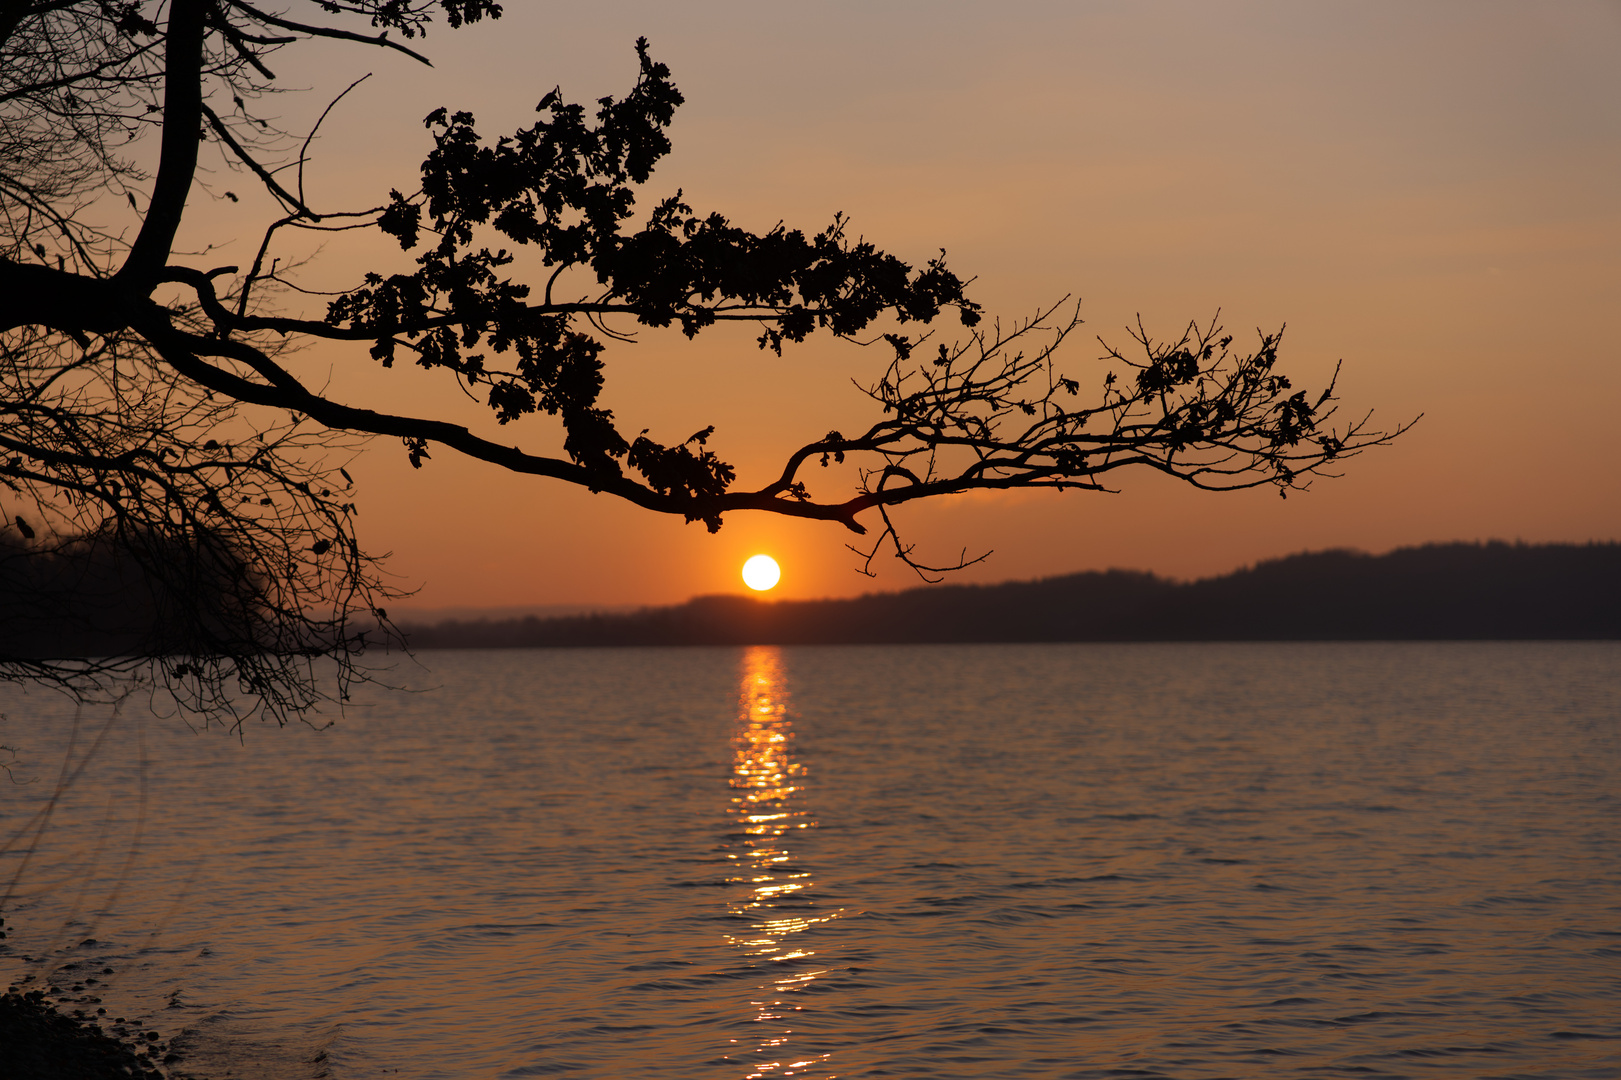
(326, 31)
(177, 160)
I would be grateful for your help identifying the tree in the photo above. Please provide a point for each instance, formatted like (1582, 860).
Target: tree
(148, 408)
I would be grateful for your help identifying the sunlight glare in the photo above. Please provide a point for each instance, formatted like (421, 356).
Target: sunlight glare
(761, 573)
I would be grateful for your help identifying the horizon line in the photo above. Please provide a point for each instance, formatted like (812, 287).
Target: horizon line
(513, 612)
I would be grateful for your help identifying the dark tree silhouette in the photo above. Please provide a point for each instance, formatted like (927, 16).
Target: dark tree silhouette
(148, 408)
(1439, 592)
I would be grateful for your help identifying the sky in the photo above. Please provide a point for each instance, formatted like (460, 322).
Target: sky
(1426, 192)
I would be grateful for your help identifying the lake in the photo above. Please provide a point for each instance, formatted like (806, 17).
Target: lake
(1191, 861)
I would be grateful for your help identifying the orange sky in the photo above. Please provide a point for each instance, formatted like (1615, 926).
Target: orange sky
(1426, 191)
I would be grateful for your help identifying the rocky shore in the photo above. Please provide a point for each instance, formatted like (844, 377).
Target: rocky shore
(39, 1043)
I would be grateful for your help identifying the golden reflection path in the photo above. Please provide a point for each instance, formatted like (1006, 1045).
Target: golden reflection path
(767, 788)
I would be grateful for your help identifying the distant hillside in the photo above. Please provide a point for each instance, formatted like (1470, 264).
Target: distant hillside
(1437, 592)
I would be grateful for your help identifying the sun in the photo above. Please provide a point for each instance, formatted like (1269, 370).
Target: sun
(761, 572)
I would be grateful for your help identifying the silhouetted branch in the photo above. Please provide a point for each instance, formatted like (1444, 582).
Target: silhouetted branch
(160, 526)
(152, 438)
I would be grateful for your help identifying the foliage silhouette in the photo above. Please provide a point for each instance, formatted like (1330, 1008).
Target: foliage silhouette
(147, 397)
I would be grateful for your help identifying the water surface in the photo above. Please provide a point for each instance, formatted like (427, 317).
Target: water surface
(1310, 860)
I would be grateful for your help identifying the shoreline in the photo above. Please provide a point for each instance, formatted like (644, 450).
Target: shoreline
(44, 1043)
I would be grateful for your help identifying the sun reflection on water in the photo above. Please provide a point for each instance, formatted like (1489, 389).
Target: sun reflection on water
(767, 785)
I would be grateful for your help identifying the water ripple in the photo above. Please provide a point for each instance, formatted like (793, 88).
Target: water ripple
(1035, 861)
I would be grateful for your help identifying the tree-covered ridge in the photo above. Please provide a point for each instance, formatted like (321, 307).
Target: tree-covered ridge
(1492, 591)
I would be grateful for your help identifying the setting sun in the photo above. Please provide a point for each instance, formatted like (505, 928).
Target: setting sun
(761, 572)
